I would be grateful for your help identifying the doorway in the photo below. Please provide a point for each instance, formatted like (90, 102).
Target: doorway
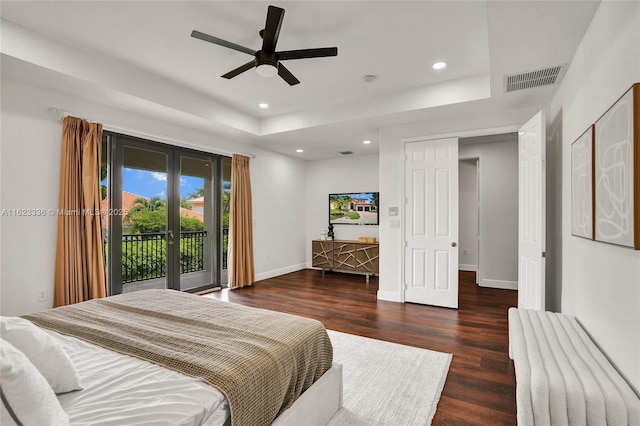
(469, 215)
(496, 237)
(165, 223)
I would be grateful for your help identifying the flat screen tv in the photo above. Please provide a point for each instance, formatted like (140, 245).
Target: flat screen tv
(354, 208)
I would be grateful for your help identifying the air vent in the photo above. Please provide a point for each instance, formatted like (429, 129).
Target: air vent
(538, 78)
(346, 152)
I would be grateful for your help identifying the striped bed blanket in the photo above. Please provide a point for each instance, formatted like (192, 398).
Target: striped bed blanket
(260, 360)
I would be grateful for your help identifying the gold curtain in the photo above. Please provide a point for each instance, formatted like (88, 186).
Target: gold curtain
(80, 272)
(241, 268)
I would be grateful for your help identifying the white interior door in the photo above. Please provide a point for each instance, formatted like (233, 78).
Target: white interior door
(531, 210)
(431, 222)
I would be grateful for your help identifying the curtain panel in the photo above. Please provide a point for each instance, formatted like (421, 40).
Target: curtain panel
(241, 263)
(80, 270)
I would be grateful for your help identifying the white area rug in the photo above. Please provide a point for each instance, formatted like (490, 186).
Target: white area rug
(386, 383)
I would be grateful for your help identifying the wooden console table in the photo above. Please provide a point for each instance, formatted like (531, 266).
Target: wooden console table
(346, 256)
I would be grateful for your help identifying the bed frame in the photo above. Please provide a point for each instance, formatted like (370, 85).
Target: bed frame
(317, 405)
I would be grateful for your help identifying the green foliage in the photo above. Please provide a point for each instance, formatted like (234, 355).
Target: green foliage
(147, 258)
(146, 221)
(226, 203)
(190, 224)
(341, 202)
(336, 214)
(196, 194)
(142, 260)
(191, 254)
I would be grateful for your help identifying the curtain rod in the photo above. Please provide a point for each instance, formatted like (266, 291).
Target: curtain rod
(61, 114)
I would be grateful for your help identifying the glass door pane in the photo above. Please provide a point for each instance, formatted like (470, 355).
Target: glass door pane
(197, 223)
(144, 219)
(226, 203)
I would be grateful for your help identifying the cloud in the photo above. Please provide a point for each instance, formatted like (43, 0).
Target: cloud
(159, 176)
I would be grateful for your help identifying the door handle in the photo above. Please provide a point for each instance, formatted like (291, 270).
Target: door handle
(454, 244)
(170, 240)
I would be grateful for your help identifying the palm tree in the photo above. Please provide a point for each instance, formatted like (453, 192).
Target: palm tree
(146, 204)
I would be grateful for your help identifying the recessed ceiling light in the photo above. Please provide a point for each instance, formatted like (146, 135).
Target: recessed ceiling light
(366, 142)
(263, 105)
(299, 150)
(439, 65)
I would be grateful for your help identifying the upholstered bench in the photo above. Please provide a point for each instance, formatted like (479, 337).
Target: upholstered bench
(562, 378)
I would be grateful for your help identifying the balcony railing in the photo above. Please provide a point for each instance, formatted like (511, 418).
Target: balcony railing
(144, 256)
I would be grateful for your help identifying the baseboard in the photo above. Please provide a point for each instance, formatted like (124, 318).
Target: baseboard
(390, 296)
(506, 285)
(281, 271)
(472, 268)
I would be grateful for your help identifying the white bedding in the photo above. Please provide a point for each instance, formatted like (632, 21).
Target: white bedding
(119, 389)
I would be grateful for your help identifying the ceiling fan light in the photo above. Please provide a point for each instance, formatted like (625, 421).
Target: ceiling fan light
(267, 70)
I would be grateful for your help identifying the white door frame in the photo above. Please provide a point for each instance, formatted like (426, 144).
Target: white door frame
(462, 134)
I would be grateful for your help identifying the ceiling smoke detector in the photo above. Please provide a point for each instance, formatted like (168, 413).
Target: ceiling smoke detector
(537, 78)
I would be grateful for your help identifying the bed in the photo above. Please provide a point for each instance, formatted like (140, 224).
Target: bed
(165, 357)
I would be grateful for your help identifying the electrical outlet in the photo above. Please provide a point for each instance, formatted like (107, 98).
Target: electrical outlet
(465, 252)
(42, 296)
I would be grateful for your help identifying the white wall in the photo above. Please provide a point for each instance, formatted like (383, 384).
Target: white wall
(468, 215)
(498, 211)
(358, 173)
(601, 282)
(277, 183)
(29, 168)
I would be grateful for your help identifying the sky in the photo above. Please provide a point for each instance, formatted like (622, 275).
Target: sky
(154, 184)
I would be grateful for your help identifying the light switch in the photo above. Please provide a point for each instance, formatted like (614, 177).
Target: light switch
(394, 224)
(393, 211)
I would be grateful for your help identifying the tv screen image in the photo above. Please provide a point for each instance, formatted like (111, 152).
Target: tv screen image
(354, 208)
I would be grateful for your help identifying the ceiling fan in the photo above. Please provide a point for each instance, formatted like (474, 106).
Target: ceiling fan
(267, 60)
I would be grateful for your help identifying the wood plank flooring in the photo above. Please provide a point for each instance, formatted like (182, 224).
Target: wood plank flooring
(480, 386)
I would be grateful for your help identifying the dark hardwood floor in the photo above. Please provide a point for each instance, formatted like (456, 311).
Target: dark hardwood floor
(480, 386)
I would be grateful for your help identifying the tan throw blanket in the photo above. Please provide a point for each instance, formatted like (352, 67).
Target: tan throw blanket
(260, 360)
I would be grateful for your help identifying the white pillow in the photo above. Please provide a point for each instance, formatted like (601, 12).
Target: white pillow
(43, 352)
(27, 398)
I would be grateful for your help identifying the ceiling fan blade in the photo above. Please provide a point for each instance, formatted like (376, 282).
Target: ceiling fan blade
(307, 53)
(272, 29)
(221, 42)
(287, 76)
(240, 70)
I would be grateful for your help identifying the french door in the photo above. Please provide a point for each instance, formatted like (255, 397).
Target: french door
(165, 217)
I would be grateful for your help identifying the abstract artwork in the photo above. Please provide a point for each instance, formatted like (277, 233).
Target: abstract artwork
(582, 185)
(617, 186)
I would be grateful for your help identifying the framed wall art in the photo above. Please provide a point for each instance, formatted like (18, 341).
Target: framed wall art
(582, 186)
(617, 172)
